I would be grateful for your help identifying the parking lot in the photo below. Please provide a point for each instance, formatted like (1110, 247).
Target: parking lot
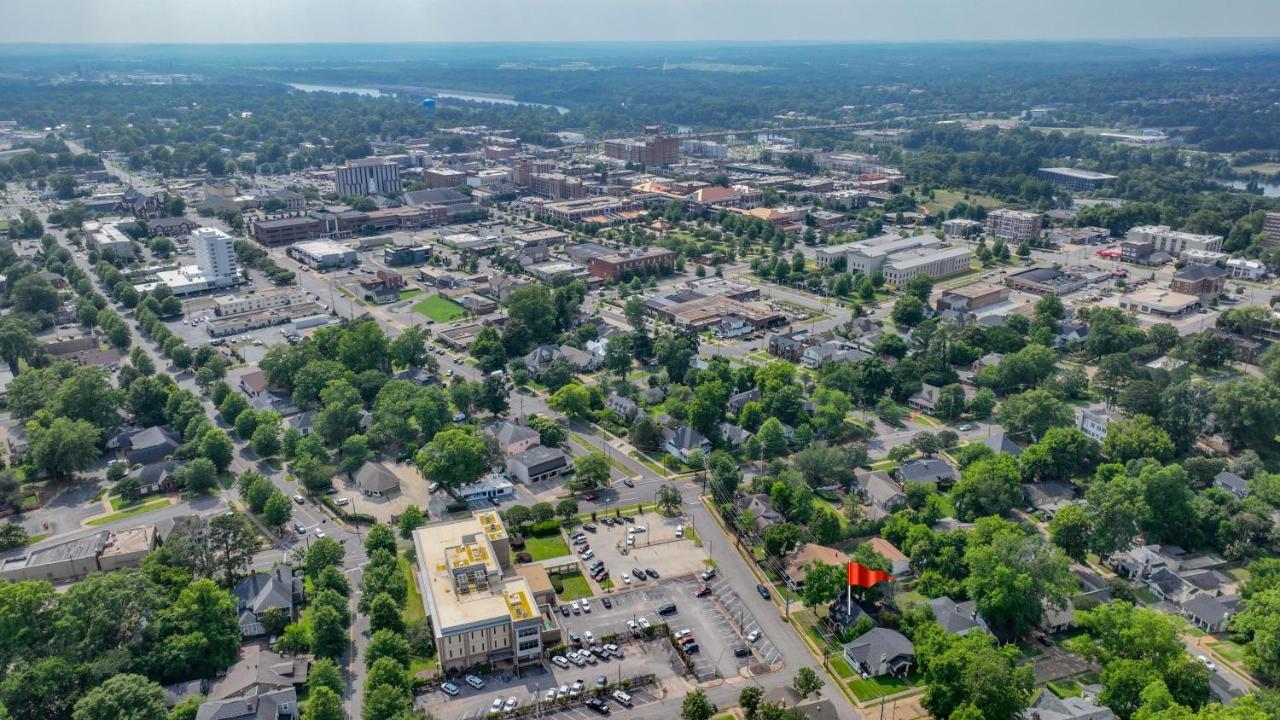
(657, 548)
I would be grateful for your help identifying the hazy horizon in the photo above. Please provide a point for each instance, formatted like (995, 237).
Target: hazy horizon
(505, 21)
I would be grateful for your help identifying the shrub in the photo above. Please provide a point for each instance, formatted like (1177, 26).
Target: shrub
(524, 557)
(545, 528)
(457, 506)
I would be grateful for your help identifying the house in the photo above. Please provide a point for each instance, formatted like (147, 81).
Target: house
(926, 398)
(684, 440)
(253, 384)
(1061, 618)
(986, 361)
(157, 477)
(1168, 585)
(1048, 706)
(274, 589)
(880, 491)
(172, 226)
(303, 422)
(1049, 496)
(833, 351)
(740, 400)
(624, 406)
(797, 564)
(808, 708)
(999, 443)
(1232, 483)
(957, 618)
(785, 347)
(512, 438)
(580, 359)
(732, 326)
(899, 564)
(143, 447)
(1209, 613)
(269, 705)
(1139, 562)
(541, 357)
(735, 435)
(761, 508)
(932, 471)
(376, 479)
(881, 651)
(383, 294)
(1070, 334)
(1094, 422)
(537, 463)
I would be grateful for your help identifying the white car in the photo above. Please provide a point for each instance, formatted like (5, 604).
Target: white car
(576, 690)
(510, 704)
(474, 682)
(577, 608)
(559, 660)
(563, 691)
(319, 533)
(496, 707)
(753, 636)
(588, 638)
(1207, 663)
(586, 608)
(450, 689)
(588, 554)
(631, 625)
(626, 579)
(683, 633)
(644, 623)
(343, 501)
(576, 658)
(550, 696)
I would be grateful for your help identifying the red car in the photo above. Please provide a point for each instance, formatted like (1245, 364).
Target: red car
(591, 497)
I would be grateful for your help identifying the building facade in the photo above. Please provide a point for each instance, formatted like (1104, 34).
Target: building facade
(1174, 242)
(654, 150)
(368, 176)
(1017, 226)
(617, 264)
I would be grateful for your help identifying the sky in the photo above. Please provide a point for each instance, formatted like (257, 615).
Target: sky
(265, 21)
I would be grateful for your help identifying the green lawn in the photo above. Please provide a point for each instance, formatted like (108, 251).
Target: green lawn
(545, 548)
(841, 668)
(119, 503)
(873, 688)
(417, 665)
(575, 587)
(126, 514)
(413, 608)
(406, 294)
(1065, 688)
(1231, 652)
(1146, 596)
(439, 308)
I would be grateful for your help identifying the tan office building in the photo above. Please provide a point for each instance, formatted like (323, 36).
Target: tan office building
(482, 612)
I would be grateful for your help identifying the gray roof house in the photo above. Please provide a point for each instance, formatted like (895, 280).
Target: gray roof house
(624, 406)
(926, 398)
(880, 491)
(957, 618)
(271, 705)
(999, 442)
(932, 471)
(512, 437)
(142, 447)
(374, 478)
(684, 440)
(881, 651)
(737, 402)
(276, 588)
(735, 435)
(1051, 707)
(1209, 613)
(1232, 483)
(536, 464)
(762, 508)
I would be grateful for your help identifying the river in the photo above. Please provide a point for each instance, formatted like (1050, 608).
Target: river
(1268, 189)
(452, 94)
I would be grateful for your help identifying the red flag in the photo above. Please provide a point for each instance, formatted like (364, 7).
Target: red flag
(859, 576)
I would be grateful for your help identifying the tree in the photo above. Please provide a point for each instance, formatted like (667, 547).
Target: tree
(1033, 412)
(265, 439)
(749, 700)
(198, 475)
(988, 487)
(908, 311)
(493, 394)
(409, 350)
(454, 457)
(323, 553)
(384, 615)
(1259, 621)
(696, 706)
(781, 539)
(122, 697)
(1119, 507)
(64, 447)
(200, 633)
(951, 401)
(1070, 530)
(1248, 412)
(411, 519)
(572, 400)
(16, 343)
(1014, 576)
(669, 500)
(89, 395)
(328, 633)
(921, 286)
(277, 511)
(590, 471)
(823, 583)
(617, 355)
(972, 679)
(1063, 452)
(386, 702)
(355, 452)
(982, 403)
(771, 437)
(1137, 437)
(380, 537)
(323, 704)
(806, 682)
(232, 405)
(217, 448)
(324, 674)
(232, 544)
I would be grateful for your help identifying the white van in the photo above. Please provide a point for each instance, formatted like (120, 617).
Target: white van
(622, 698)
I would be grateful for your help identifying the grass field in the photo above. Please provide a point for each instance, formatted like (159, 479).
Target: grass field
(406, 294)
(1265, 168)
(575, 587)
(841, 668)
(131, 512)
(946, 199)
(873, 688)
(1231, 652)
(439, 308)
(413, 610)
(544, 548)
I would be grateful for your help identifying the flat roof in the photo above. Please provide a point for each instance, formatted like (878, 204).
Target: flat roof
(1078, 173)
(444, 548)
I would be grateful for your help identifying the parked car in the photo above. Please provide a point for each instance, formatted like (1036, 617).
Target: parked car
(608, 604)
(638, 573)
(560, 660)
(450, 689)
(621, 698)
(496, 706)
(474, 681)
(764, 591)
(577, 609)
(753, 636)
(299, 499)
(589, 527)
(598, 706)
(510, 704)
(651, 573)
(629, 482)
(644, 623)
(586, 608)
(668, 609)
(588, 637)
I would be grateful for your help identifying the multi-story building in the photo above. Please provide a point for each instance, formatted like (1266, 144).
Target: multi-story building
(488, 178)
(368, 176)
(1203, 281)
(972, 298)
(253, 302)
(1245, 269)
(556, 186)
(482, 613)
(936, 262)
(1271, 229)
(109, 240)
(615, 265)
(1074, 179)
(406, 255)
(1162, 237)
(443, 177)
(322, 254)
(1013, 225)
(654, 150)
(589, 209)
(215, 255)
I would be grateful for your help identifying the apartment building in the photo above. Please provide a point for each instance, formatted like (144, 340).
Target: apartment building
(482, 612)
(1271, 229)
(653, 150)
(1174, 242)
(1017, 226)
(368, 176)
(556, 186)
(443, 177)
(615, 265)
